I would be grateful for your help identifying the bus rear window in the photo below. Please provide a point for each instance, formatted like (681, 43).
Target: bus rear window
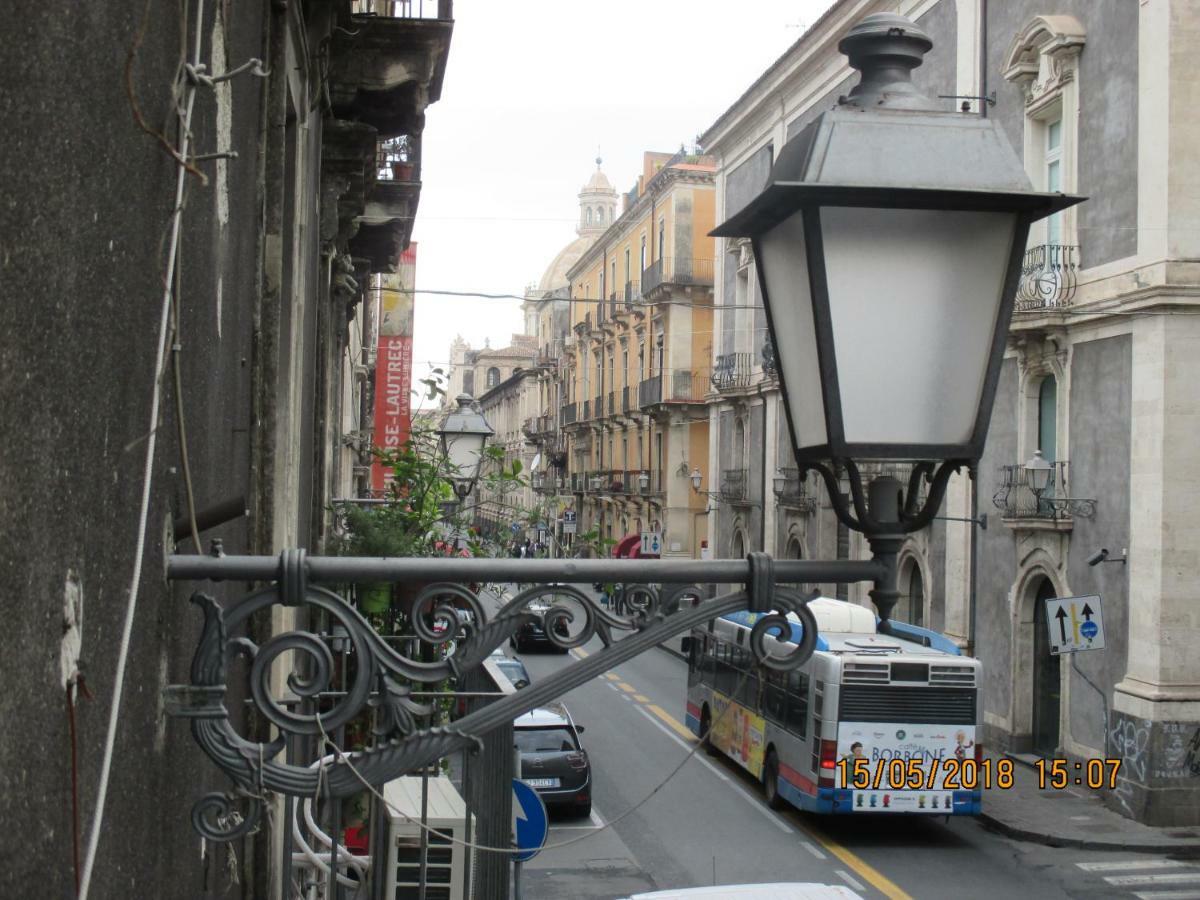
(910, 671)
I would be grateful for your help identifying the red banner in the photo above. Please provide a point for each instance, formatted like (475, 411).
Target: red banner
(393, 400)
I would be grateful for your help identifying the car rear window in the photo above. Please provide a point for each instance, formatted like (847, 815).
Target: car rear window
(544, 740)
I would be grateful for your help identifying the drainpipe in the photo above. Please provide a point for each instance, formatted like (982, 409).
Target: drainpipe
(983, 80)
(762, 514)
(973, 578)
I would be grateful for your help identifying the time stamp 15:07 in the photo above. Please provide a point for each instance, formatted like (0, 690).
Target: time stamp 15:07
(898, 774)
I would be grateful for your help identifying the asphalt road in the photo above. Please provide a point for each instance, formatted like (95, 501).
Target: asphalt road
(658, 824)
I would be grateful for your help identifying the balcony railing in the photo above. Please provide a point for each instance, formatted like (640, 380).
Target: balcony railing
(688, 387)
(587, 411)
(676, 271)
(598, 407)
(1017, 500)
(1048, 277)
(633, 293)
(732, 370)
(769, 363)
(612, 403)
(625, 405)
(569, 414)
(792, 491)
(405, 9)
(650, 391)
(734, 484)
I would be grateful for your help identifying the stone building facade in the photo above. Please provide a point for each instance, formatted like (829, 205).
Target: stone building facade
(1098, 377)
(277, 236)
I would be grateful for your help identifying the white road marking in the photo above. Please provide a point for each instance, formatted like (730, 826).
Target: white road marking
(812, 848)
(752, 800)
(1168, 895)
(845, 876)
(596, 822)
(1135, 864)
(1151, 880)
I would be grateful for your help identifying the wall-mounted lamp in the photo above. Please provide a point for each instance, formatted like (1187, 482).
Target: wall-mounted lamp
(1102, 556)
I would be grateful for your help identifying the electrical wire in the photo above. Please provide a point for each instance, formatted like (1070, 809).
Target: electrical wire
(147, 477)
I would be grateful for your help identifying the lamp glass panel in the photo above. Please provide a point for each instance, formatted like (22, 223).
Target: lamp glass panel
(913, 297)
(463, 451)
(783, 264)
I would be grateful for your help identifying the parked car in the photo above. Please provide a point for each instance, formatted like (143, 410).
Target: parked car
(553, 762)
(532, 633)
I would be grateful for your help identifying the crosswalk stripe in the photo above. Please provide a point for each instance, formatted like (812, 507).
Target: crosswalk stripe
(1168, 895)
(1151, 880)
(1134, 865)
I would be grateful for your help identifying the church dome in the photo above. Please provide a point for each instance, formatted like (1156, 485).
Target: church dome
(598, 183)
(556, 273)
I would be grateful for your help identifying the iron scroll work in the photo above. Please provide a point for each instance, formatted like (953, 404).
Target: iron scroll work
(384, 678)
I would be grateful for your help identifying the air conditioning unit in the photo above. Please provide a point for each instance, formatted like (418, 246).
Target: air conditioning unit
(446, 869)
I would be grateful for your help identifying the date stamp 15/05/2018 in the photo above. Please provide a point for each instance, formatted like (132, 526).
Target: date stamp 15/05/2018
(898, 774)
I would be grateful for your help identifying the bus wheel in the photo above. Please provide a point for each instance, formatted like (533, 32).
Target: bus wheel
(705, 725)
(771, 782)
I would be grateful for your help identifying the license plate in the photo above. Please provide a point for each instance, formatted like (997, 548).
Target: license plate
(542, 782)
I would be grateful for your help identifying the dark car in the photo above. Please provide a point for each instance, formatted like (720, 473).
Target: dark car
(552, 761)
(532, 633)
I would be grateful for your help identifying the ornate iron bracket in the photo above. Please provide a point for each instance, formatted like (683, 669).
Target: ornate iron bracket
(384, 678)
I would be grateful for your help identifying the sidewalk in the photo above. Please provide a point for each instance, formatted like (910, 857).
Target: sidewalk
(1075, 817)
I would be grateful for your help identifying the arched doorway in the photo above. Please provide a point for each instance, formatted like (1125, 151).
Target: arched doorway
(738, 545)
(795, 550)
(1047, 678)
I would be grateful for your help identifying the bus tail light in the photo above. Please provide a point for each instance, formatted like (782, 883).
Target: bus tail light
(828, 763)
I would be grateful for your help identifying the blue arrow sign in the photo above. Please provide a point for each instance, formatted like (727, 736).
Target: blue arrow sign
(531, 824)
(1089, 630)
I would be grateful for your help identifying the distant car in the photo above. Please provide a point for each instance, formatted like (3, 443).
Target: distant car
(792, 890)
(532, 633)
(553, 762)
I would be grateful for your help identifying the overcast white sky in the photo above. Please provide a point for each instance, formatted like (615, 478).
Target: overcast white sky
(532, 89)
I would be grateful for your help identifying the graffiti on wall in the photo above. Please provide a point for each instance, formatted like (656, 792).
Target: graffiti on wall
(1151, 753)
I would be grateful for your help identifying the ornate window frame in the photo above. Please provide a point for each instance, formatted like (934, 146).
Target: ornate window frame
(1043, 61)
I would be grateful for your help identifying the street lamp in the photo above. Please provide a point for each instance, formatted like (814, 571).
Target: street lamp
(644, 481)
(888, 243)
(697, 478)
(464, 433)
(1037, 474)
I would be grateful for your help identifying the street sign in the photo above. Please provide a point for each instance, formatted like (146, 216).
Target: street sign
(530, 823)
(651, 543)
(1075, 623)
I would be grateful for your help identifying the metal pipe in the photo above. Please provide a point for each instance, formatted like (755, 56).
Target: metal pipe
(398, 569)
(211, 516)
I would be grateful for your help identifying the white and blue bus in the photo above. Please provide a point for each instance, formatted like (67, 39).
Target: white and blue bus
(873, 722)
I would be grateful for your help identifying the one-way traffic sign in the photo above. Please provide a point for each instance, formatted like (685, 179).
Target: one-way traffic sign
(1074, 623)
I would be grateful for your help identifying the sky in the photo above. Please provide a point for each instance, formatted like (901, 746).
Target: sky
(533, 92)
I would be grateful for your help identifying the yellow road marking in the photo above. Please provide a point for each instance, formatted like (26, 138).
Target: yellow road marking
(611, 677)
(641, 698)
(877, 879)
(670, 720)
(627, 688)
(581, 653)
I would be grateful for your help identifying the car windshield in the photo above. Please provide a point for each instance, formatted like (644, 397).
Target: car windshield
(544, 740)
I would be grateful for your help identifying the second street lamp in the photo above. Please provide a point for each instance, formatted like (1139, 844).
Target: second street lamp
(888, 243)
(464, 433)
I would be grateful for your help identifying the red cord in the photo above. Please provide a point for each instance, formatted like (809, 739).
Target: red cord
(75, 771)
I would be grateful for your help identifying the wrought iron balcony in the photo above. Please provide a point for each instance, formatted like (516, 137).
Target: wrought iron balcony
(1016, 499)
(598, 407)
(793, 491)
(587, 411)
(650, 391)
(734, 485)
(570, 413)
(584, 325)
(1048, 277)
(625, 404)
(398, 159)
(672, 271)
(732, 371)
(633, 293)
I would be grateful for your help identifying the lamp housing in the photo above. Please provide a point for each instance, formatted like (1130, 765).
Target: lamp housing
(888, 243)
(463, 435)
(1038, 472)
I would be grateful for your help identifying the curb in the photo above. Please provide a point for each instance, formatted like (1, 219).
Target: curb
(1190, 849)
